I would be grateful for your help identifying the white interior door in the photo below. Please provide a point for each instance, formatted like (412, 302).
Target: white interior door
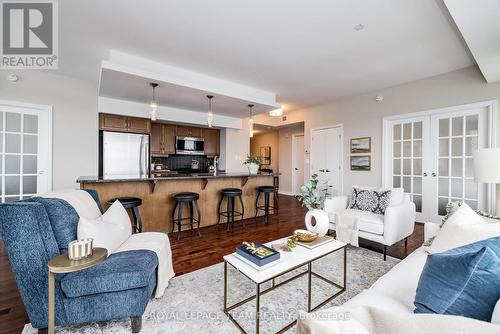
(410, 153)
(25, 153)
(455, 136)
(298, 163)
(326, 157)
(431, 158)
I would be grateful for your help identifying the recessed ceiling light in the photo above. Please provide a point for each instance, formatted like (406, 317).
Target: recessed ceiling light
(359, 27)
(276, 112)
(12, 78)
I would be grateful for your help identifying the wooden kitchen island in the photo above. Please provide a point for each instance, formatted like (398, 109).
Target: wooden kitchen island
(157, 194)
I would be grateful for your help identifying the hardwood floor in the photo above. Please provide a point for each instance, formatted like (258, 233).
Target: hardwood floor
(192, 253)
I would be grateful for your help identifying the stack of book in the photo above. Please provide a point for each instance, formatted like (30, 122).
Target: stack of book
(259, 256)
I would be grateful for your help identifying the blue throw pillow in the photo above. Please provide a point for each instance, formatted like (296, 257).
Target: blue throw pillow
(464, 281)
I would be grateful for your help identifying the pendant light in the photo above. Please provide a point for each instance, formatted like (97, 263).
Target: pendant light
(210, 116)
(250, 121)
(153, 105)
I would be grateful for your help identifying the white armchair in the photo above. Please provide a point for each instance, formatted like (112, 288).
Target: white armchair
(397, 224)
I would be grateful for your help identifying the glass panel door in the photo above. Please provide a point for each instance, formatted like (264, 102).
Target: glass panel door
(456, 137)
(408, 158)
(24, 153)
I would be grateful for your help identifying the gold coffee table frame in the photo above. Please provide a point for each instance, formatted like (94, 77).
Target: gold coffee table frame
(62, 265)
(259, 293)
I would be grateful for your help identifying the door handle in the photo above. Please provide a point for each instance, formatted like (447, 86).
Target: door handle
(41, 172)
(296, 168)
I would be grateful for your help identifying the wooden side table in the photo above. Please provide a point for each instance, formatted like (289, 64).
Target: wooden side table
(62, 265)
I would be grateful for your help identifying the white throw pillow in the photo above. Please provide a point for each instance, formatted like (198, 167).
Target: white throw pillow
(464, 227)
(495, 317)
(110, 230)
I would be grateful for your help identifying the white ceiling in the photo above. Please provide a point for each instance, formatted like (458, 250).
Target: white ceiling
(479, 23)
(306, 52)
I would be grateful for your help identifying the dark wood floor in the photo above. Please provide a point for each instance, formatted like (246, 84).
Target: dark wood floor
(192, 253)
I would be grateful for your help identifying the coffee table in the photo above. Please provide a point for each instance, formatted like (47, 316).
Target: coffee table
(289, 261)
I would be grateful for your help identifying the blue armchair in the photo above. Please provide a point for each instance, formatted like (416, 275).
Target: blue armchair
(38, 229)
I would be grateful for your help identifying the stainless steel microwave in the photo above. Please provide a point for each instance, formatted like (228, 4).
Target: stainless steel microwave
(189, 145)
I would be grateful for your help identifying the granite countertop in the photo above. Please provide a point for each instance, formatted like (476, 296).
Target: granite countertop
(130, 178)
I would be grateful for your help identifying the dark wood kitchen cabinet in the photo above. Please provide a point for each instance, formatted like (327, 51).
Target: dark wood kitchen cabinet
(139, 125)
(109, 122)
(212, 140)
(188, 131)
(162, 139)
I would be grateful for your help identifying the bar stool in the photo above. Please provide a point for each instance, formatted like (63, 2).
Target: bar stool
(192, 200)
(132, 203)
(266, 207)
(230, 194)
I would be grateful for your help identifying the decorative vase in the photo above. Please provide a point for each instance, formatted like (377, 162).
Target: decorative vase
(253, 168)
(322, 222)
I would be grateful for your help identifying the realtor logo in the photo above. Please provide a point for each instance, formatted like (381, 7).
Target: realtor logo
(29, 35)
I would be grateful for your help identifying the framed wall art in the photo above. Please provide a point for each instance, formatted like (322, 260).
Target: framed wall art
(361, 145)
(361, 162)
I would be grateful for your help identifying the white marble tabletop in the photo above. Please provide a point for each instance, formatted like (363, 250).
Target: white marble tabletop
(297, 257)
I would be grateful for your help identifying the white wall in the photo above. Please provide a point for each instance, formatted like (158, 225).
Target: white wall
(362, 116)
(266, 139)
(235, 148)
(74, 120)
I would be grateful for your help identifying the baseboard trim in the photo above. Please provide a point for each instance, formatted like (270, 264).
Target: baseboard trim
(288, 193)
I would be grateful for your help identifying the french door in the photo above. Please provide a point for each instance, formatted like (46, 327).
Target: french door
(25, 152)
(430, 156)
(326, 157)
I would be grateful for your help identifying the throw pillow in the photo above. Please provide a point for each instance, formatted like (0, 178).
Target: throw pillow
(110, 230)
(451, 208)
(370, 200)
(463, 281)
(462, 228)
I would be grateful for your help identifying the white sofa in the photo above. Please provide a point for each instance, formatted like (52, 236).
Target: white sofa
(397, 224)
(395, 291)
(387, 306)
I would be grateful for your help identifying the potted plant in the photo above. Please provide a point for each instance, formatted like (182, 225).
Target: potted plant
(313, 198)
(253, 163)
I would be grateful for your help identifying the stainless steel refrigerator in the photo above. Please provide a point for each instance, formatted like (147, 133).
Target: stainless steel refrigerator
(124, 154)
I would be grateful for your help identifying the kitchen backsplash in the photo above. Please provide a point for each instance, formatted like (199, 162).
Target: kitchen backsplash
(181, 162)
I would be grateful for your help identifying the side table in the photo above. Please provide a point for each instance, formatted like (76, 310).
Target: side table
(62, 265)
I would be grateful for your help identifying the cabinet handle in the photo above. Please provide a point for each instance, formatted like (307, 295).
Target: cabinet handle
(433, 174)
(322, 170)
(425, 174)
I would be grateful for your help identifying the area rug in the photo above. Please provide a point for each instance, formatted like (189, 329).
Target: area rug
(193, 303)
